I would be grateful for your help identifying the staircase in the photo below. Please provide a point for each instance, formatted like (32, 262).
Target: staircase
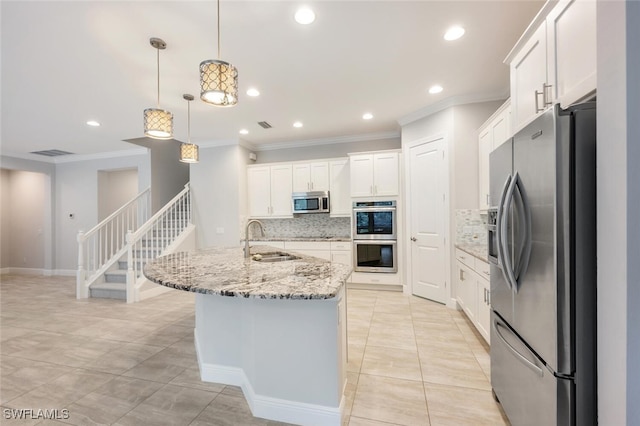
(111, 257)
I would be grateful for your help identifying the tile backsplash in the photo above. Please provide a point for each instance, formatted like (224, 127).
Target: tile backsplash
(308, 225)
(471, 227)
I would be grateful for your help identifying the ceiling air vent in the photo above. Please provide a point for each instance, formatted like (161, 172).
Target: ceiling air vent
(264, 124)
(51, 152)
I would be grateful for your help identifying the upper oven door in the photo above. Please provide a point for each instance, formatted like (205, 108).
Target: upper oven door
(374, 223)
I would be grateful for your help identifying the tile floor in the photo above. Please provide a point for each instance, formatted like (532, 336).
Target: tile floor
(411, 361)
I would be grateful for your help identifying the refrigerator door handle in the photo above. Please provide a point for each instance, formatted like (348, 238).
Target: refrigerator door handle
(524, 243)
(499, 230)
(533, 367)
(507, 264)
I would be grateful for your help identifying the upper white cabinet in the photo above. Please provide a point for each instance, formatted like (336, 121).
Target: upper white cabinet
(339, 197)
(374, 174)
(493, 133)
(311, 176)
(571, 50)
(269, 190)
(556, 62)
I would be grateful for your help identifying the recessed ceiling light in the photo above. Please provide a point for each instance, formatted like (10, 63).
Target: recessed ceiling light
(435, 89)
(305, 16)
(367, 116)
(454, 33)
(253, 92)
(93, 123)
(297, 124)
(244, 132)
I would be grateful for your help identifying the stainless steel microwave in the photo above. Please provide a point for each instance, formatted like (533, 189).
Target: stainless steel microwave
(310, 202)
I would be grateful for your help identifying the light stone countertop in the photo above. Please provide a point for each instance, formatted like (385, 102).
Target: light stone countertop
(225, 272)
(479, 251)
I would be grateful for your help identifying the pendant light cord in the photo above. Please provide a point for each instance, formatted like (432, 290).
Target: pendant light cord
(218, 29)
(158, 63)
(188, 121)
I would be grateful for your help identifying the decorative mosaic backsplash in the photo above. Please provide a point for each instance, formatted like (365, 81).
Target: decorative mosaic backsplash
(471, 227)
(308, 225)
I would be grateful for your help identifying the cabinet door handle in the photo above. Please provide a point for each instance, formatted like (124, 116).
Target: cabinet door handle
(546, 99)
(414, 239)
(488, 297)
(461, 273)
(538, 109)
(485, 295)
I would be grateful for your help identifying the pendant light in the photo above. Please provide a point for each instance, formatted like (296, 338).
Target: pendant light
(158, 123)
(218, 79)
(188, 151)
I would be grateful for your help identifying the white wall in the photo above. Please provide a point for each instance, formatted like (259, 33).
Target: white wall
(216, 185)
(325, 151)
(76, 192)
(115, 188)
(618, 181)
(168, 174)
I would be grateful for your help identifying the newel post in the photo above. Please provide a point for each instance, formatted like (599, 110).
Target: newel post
(82, 292)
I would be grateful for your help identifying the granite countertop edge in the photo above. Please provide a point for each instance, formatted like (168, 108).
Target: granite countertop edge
(225, 272)
(478, 251)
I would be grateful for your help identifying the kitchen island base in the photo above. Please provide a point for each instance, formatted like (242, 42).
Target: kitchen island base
(287, 355)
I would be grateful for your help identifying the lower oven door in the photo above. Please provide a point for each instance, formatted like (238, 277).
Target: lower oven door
(375, 256)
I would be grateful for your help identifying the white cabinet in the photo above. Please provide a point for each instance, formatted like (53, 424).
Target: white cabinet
(341, 253)
(311, 176)
(529, 78)
(339, 197)
(556, 62)
(269, 191)
(493, 133)
(571, 50)
(473, 291)
(483, 299)
(374, 174)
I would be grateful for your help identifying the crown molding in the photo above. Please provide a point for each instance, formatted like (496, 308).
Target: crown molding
(328, 141)
(451, 102)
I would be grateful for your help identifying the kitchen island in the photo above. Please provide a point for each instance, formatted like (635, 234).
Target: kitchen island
(276, 328)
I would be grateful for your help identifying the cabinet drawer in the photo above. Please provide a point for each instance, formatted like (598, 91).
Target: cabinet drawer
(307, 245)
(374, 278)
(482, 268)
(465, 258)
(341, 245)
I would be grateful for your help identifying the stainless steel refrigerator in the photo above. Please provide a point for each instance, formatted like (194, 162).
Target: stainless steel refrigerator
(542, 249)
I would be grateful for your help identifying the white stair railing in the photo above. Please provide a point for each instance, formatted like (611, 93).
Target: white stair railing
(100, 247)
(151, 240)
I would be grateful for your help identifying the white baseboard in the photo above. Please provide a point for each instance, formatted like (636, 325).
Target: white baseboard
(268, 407)
(38, 271)
(385, 287)
(453, 304)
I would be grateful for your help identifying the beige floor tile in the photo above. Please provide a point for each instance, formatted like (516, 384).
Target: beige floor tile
(227, 410)
(478, 408)
(350, 392)
(171, 405)
(396, 363)
(460, 370)
(384, 335)
(390, 400)
(355, 354)
(191, 378)
(157, 371)
(358, 421)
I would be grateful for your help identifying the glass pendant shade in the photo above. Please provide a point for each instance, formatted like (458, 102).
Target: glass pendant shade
(158, 123)
(189, 153)
(218, 83)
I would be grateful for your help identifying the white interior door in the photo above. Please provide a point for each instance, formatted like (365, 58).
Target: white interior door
(428, 176)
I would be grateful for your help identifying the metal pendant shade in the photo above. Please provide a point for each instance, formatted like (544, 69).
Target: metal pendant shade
(158, 123)
(218, 79)
(188, 151)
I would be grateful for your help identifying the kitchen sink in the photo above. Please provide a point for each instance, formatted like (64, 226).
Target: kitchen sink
(273, 257)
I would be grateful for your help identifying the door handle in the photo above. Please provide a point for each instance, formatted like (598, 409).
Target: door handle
(545, 89)
(499, 229)
(507, 262)
(414, 239)
(515, 352)
(524, 234)
(538, 109)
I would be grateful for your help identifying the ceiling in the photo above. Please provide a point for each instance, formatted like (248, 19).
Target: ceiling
(64, 63)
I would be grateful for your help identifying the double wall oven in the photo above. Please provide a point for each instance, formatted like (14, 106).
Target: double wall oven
(374, 236)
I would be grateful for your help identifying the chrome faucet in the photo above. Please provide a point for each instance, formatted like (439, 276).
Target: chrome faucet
(246, 236)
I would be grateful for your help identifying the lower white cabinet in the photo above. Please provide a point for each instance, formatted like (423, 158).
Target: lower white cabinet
(334, 251)
(473, 291)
